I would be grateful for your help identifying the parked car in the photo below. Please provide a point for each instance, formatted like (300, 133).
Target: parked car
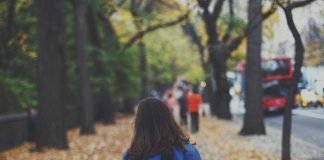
(309, 98)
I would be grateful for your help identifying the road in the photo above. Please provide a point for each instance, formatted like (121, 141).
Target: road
(307, 124)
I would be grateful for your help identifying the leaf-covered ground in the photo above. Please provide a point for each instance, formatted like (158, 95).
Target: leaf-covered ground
(216, 140)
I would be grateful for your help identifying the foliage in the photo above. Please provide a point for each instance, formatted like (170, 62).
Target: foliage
(18, 72)
(121, 76)
(168, 60)
(169, 53)
(237, 56)
(314, 38)
(16, 94)
(238, 24)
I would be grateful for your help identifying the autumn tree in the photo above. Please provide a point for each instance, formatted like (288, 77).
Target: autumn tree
(102, 100)
(288, 7)
(136, 9)
(51, 75)
(253, 117)
(5, 55)
(219, 47)
(87, 120)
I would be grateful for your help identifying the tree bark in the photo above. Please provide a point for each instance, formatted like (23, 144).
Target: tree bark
(292, 88)
(107, 107)
(299, 55)
(191, 32)
(135, 9)
(51, 129)
(218, 54)
(217, 58)
(5, 53)
(87, 116)
(253, 118)
(143, 68)
(104, 110)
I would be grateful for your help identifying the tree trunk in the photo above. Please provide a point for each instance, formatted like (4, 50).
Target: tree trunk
(105, 110)
(143, 68)
(5, 53)
(222, 97)
(147, 8)
(191, 32)
(253, 118)
(10, 19)
(299, 55)
(107, 107)
(51, 129)
(128, 105)
(210, 95)
(87, 120)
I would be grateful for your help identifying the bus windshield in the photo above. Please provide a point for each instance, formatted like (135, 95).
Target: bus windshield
(275, 67)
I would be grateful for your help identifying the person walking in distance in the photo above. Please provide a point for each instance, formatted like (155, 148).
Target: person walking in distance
(182, 100)
(157, 136)
(170, 101)
(194, 100)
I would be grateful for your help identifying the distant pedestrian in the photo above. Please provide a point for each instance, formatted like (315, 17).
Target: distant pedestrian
(182, 100)
(194, 100)
(170, 101)
(32, 123)
(157, 136)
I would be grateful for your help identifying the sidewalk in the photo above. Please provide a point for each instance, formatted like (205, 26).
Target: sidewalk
(217, 140)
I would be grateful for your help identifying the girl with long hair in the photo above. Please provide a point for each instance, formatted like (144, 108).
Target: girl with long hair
(157, 136)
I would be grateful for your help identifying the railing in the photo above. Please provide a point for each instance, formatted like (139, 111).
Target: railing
(13, 130)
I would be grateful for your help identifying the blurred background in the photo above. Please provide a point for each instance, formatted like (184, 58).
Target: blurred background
(69, 66)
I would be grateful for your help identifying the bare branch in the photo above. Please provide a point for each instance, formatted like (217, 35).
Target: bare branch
(204, 4)
(120, 3)
(217, 9)
(194, 38)
(297, 4)
(237, 41)
(140, 34)
(231, 23)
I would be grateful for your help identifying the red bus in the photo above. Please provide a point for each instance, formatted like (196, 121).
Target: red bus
(277, 73)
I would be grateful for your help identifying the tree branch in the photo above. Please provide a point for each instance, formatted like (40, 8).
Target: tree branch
(231, 23)
(217, 9)
(297, 4)
(120, 3)
(140, 34)
(204, 4)
(237, 41)
(193, 36)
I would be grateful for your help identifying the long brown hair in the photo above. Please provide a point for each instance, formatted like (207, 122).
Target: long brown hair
(156, 132)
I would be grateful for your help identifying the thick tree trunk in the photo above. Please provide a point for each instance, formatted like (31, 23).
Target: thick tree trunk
(104, 109)
(51, 129)
(10, 18)
(299, 56)
(87, 120)
(191, 32)
(5, 53)
(143, 69)
(128, 105)
(253, 118)
(210, 95)
(221, 95)
(107, 107)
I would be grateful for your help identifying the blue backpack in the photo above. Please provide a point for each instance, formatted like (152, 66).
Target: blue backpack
(190, 154)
